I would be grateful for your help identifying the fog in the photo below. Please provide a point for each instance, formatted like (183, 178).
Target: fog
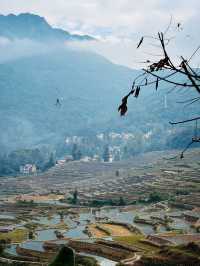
(117, 51)
(121, 51)
(18, 48)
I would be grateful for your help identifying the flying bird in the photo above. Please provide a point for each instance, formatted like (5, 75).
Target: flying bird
(58, 102)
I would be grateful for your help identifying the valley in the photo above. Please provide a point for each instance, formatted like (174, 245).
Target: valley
(124, 206)
(99, 162)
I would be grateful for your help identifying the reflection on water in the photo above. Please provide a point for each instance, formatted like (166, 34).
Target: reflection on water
(12, 250)
(126, 217)
(38, 246)
(180, 223)
(105, 262)
(49, 234)
(76, 230)
(77, 225)
(45, 235)
(102, 261)
(7, 216)
(34, 245)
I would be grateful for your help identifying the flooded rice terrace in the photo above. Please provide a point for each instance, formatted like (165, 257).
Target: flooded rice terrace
(77, 223)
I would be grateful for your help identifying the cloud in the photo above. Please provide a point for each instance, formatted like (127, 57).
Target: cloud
(120, 17)
(18, 48)
(119, 24)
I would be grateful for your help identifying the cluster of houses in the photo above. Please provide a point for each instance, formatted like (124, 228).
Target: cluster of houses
(28, 169)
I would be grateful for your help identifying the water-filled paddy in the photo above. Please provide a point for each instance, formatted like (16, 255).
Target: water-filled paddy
(102, 261)
(77, 223)
(34, 245)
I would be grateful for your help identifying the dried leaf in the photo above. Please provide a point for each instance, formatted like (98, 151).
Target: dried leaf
(123, 107)
(140, 42)
(157, 83)
(137, 91)
(133, 85)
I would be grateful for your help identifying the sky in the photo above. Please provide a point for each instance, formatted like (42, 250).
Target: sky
(119, 24)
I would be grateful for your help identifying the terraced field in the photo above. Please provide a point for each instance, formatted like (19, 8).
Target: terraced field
(163, 172)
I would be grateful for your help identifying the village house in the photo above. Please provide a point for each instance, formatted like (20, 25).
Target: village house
(28, 169)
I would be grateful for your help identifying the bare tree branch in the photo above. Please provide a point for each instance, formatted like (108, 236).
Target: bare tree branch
(181, 75)
(185, 121)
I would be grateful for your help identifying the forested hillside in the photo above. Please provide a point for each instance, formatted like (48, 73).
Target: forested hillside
(88, 89)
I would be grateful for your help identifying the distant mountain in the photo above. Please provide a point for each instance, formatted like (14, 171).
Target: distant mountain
(89, 88)
(34, 27)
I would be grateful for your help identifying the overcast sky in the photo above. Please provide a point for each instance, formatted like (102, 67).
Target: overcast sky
(118, 23)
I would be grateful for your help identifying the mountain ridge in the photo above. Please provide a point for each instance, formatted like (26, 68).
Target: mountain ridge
(28, 25)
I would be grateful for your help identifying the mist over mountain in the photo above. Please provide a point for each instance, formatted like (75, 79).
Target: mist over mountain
(88, 86)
